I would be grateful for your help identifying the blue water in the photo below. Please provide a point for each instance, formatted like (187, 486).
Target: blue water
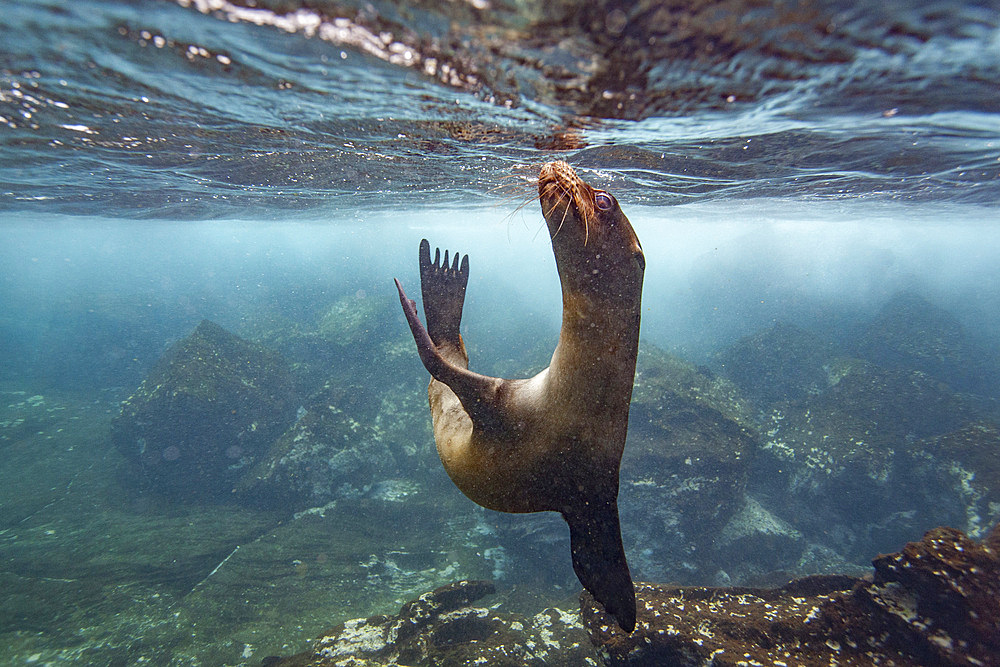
(167, 162)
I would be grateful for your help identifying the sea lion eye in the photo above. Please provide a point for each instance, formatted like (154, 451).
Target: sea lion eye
(604, 201)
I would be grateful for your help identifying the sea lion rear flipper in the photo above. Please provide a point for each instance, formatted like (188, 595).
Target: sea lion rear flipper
(599, 559)
(479, 394)
(443, 291)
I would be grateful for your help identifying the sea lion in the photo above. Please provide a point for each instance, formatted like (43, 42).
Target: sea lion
(554, 441)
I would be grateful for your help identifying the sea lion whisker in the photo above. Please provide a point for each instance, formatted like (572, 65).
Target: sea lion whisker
(509, 218)
(538, 231)
(512, 187)
(565, 212)
(561, 222)
(549, 192)
(520, 207)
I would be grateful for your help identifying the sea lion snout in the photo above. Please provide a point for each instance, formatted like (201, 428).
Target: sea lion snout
(589, 233)
(568, 204)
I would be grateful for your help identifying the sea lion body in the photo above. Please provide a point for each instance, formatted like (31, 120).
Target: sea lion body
(554, 441)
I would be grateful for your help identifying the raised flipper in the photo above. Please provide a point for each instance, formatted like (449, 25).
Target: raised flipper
(599, 558)
(481, 395)
(443, 291)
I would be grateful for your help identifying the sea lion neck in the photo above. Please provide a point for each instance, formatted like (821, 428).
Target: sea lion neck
(601, 267)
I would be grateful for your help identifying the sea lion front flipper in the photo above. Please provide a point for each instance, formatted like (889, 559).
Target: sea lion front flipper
(599, 558)
(480, 394)
(443, 291)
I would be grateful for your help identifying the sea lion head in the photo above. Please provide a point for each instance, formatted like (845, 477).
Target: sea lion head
(596, 249)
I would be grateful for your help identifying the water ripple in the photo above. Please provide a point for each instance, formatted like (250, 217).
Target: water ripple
(213, 108)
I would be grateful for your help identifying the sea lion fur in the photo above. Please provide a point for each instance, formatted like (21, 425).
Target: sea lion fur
(554, 441)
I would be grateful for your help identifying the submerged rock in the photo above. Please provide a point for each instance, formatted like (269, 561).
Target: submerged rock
(354, 340)
(910, 332)
(856, 454)
(442, 628)
(959, 474)
(783, 363)
(209, 406)
(933, 603)
(839, 466)
(684, 469)
(763, 541)
(325, 455)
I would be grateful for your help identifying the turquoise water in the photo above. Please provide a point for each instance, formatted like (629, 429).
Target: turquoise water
(169, 162)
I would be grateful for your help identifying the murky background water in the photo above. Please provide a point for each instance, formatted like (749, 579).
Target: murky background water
(831, 167)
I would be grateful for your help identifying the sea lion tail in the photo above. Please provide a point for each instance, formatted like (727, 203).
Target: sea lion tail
(443, 290)
(599, 559)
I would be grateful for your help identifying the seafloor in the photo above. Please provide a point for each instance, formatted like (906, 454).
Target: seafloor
(128, 538)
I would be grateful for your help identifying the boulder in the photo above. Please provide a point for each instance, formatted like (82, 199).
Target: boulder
(685, 467)
(838, 466)
(354, 340)
(958, 475)
(783, 363)
(324, 456)
(208, 408)
(763, 541)
(442, 629)
(935, 603)
(909, 332)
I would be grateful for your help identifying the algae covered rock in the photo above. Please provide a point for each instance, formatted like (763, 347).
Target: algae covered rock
(209, 407)
(958, 474)
(443, 629)
(910, 332)
(934, 603)
(353, 340)
(325, 455)
(783, 363)
(685, 465)
(837, 467)
(763, 541)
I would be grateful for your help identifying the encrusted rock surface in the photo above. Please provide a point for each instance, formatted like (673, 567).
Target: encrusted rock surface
(685, 466)
(960, 471)
(935, 603)
(325, 455)
(910, 332)
(839, 465)
(442, 629)
(209, 406)
(783, 363)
